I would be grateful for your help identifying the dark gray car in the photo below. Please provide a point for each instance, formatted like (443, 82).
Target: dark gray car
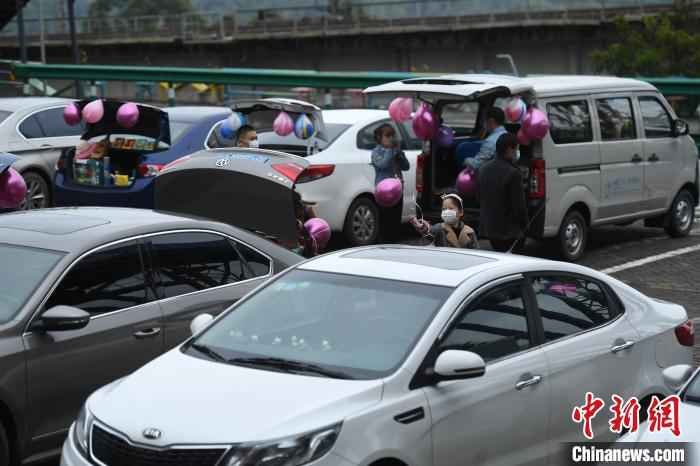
(87, 295)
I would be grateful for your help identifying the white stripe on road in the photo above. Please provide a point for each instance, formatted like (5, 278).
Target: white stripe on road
(650, 259)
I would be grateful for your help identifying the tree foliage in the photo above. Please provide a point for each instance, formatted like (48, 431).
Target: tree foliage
(103, 8)
(663, 45)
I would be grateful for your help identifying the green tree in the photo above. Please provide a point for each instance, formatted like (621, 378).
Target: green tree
(663, 45)
(102, 8)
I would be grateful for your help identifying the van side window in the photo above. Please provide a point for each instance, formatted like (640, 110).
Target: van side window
(616, 119)
(657, 122)
(570, 122)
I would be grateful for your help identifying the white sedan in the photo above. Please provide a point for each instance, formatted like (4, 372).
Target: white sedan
(389, 355)
(341, 179)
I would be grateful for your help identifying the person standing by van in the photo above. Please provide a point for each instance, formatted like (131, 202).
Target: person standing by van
(503, 209)
(495, 119)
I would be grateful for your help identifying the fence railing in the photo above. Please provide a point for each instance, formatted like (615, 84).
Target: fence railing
(377, 16)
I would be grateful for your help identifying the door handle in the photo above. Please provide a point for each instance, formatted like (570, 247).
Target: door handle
(529, 382)
(653, 158)
(626, 345)
(147, 333)
(636, 158)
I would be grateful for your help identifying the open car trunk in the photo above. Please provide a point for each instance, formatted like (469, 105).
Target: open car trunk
(462, 103)
(117, 153)
(246, 188)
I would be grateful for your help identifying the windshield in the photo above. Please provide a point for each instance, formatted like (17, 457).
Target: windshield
(692, 392)
(360, 327)
(18, 283)
(4, 115)
(178, 129)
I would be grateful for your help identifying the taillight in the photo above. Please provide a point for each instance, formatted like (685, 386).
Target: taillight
(148, 170)
(420, 161)
(290, 170)
(175, 162)
(316, 172)
(537, 179)
(686, 334)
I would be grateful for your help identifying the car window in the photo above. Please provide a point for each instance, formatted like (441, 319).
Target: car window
(570, 305)
(53, 124)
(189, 262)
(365, 137)
(30, 129)
(494, 326)
(18, 283)
(657, 122)
(4, 115)
(413, 142)
(258, 265)
(104, 281)
(360, 326)
(461, 117)
(616, 119)
(570, 122)
(692, 393)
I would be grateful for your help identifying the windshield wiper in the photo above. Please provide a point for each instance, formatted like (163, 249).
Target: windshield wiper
(290, 366)
(209, 352)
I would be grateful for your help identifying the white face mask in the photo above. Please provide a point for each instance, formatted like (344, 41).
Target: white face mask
(253, 144)
(449, 216)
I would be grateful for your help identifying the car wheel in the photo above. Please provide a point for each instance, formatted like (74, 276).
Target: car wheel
(573, 236)
(4, 448)
(38, 192)
(362, 222)
(681, 216)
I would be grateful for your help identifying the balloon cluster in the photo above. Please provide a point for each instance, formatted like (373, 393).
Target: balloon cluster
(13, 189)
(534, 124)
(230, 125)
(425, 123)
(127, 114)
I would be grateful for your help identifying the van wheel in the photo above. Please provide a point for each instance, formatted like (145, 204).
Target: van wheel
(573, 236)
(362, 222)
(4, 447)
(681, 215)
(38, 192)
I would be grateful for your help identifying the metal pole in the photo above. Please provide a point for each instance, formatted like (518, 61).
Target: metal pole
(74, 44)
(20, 31)
(42, 44)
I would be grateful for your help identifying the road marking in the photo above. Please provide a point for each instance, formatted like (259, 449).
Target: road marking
(650, 259)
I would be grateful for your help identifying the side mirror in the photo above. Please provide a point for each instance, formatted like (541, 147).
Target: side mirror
(457, 364)
(200, 322)
(680, 128)
(61, 319)
(676, 376)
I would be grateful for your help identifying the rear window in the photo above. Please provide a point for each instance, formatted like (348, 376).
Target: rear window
(4, 115)
(461, 117)
(570, 122)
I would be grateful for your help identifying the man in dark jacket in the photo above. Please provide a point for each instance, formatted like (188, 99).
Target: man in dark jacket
(503, 214)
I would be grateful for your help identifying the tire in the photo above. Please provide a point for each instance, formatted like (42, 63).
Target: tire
(681, 215)
(573, 236)
(38, 192)
(362, 222)
(4, 447)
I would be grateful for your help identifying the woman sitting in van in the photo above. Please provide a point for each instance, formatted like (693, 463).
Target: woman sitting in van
(452, 232)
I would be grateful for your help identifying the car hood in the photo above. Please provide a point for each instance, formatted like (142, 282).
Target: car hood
(689, 426)
(193, 400)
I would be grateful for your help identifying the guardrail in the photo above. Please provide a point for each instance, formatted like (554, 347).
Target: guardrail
(359, 18)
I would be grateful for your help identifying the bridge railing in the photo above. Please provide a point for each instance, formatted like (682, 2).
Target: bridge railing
(375, 16)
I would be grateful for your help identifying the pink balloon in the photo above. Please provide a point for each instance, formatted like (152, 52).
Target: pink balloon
(13, 189)
(523, 139)
(283, 124)
(515, 110)
(84, 149)
(388, 192)
(538, 125)
(400, 109)
(425, 123)
(128, 115)
(466, 182)
(94, 111)
(71, 115)
(527, 121)
(319, 230)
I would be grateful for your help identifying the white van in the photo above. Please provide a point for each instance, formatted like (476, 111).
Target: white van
(615, 152)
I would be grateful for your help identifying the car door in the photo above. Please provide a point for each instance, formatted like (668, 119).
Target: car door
(124, 333)
(590, 347)
(201, 272)
(502, 416)
(662, 151)
(622, 164)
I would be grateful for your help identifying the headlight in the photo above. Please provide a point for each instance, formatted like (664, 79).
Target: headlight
(291, 451)
(82, 429)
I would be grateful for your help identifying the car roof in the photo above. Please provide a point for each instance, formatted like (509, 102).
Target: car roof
(434, 266)
(76, 229)
(194, 113)
(353, 116)
(13, 104)
(581, 83)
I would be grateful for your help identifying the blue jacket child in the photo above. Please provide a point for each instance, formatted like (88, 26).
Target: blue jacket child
(388, 160)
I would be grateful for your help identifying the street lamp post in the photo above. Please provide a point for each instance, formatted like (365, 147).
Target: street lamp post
(509, 57)
(74, 43)
(42, 44)
(20, 31)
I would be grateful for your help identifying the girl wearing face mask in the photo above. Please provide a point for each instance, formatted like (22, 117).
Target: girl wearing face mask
(389, 161)
(452, 232)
